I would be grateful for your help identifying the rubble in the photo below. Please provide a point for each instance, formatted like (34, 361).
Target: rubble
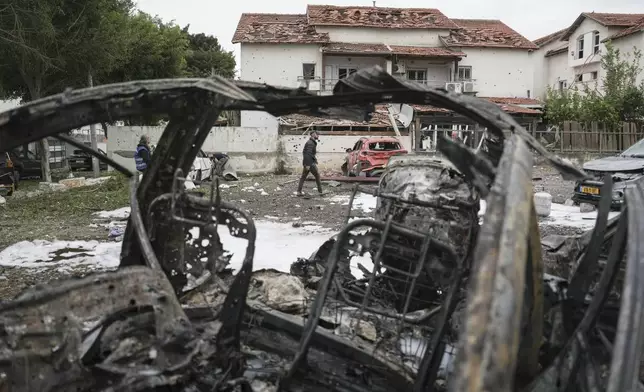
(419, 297)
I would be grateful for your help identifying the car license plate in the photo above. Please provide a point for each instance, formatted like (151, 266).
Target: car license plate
(590, 190)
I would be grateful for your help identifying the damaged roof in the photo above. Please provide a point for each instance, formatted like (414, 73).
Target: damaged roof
(486, 33)
(382, 49)
(540, 42)
(605, 19)
(379, 118)
(639, 26)
(380, 17)
(556, 51)
(277, 28)
(508, 105)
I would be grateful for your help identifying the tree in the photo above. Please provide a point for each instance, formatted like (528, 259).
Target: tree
(48, 45)
(206, 56)
(155, 50)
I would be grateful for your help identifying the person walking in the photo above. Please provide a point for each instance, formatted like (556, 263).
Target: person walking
(142, 156)
(310, 163)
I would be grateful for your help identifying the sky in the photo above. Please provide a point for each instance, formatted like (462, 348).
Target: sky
(533, 19)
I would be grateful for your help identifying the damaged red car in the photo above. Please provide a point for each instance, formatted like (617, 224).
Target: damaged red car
(370, 155)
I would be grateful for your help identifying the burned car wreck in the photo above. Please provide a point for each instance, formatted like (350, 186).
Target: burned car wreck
(447, 304)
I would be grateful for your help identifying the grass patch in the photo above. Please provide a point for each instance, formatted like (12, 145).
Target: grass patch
(62, 215)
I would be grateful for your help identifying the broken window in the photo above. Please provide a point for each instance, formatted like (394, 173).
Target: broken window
(593, 75)
(580, 47)
(562, 85)
(344, 72)
(384, 146)
(580, 78)
(308, 71)
(418, 75)
(465, 73)
(595, 42)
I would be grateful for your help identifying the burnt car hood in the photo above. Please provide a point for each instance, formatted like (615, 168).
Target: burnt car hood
(615, 164)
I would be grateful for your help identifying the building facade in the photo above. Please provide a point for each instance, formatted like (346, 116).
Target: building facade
(571, 58)
(327, 43)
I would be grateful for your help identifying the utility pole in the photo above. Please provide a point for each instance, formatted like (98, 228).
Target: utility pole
(92, 134)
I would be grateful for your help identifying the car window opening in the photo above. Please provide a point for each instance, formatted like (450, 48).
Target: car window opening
(384, 146)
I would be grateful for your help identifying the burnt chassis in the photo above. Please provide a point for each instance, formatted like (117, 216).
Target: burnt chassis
(497, 350)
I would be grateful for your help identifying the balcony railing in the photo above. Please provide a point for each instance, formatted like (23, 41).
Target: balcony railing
(325, 85)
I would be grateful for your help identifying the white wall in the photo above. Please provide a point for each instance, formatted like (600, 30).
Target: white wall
(364, 35)
(543, 76)
(278, 65)
(252, 150)
(586, 28)
(501, 72)
(557, 69)
(626, 45)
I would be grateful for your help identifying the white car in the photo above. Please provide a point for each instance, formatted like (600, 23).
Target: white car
(201, 169)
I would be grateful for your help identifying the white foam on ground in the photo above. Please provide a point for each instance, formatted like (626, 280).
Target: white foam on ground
(363, 201)
(63, 254)
(121, 213)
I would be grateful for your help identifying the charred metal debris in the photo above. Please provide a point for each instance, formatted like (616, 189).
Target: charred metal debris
(446, 304)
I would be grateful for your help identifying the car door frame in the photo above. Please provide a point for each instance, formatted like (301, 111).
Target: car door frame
(353, 156)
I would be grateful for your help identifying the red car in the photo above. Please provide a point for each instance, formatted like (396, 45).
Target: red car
(370, 155)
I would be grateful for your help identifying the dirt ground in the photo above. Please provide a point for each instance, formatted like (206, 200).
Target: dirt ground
(69, 215)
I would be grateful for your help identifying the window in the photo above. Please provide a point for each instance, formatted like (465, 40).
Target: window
(580, 47)
(562, 85)
(384, 146)
(580, 78)
(464, 73)
(595, 42)
(593, 75)
(418, 75)
(308, 71)
(344, 72)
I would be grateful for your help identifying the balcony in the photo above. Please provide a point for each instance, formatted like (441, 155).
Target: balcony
(325, 85)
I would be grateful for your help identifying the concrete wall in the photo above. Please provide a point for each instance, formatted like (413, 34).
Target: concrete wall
(253, 150)
(501, 72)
(549, 70)
(407, 37)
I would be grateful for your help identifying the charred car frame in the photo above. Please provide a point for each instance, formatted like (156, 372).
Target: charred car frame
(140, 329)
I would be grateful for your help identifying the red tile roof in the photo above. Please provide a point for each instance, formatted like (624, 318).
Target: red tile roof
(605, 19)
(382, 49)
(629, 31)
(549, 38)
(514, 100)
(486, 33)
(556, 51)
(381, 17)
(277, 28)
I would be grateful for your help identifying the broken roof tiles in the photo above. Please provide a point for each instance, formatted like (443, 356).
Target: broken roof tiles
(514, 101)
(380, 17)
(503, 103)
(277, 28)
(486, 33)
(540, 42)
(382, 49)
(605, 19)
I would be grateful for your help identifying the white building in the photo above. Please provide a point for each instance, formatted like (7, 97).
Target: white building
(572, 57)
(482, 57)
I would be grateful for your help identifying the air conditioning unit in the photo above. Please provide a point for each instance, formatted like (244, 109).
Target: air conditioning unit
(469, 87)
(454, 87)
(399, 68)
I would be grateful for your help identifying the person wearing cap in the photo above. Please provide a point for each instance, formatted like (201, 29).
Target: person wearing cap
(310, 163)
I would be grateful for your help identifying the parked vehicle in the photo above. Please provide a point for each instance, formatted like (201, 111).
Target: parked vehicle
(624, 168)
(9, 177)
(27, 164)
(201, 169)
(81, 160)
(370, 155)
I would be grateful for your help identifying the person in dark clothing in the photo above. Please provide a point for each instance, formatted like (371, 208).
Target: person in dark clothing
(310, 163)
(142, 156)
